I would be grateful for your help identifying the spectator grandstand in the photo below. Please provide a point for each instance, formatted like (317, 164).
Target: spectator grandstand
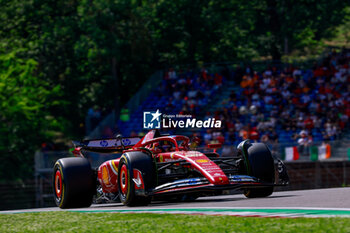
(279, 104)
(183, 92)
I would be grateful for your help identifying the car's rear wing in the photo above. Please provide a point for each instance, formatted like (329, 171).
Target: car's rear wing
(107, 144)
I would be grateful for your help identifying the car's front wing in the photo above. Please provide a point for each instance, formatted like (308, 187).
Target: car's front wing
(203, 185)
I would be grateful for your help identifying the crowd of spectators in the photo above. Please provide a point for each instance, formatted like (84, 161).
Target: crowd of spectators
(189, 92)
(290, 104)
(283, 103)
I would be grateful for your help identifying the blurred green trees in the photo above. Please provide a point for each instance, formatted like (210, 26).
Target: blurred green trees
(25, 119)
(60, 57)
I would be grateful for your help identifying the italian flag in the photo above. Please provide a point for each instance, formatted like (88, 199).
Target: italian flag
(320, 152)
(291, 153)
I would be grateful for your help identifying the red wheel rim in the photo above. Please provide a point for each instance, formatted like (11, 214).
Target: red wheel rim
(58, 184)
(123, 179)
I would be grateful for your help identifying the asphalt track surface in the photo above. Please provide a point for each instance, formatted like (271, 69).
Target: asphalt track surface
(309, 203)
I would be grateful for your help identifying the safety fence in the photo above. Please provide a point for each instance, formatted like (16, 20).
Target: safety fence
(319, 174)
(316, 151)
(18, 195)
(337, 149)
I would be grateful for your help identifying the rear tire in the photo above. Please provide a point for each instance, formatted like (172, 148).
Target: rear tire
(73, 183)
(261, 166)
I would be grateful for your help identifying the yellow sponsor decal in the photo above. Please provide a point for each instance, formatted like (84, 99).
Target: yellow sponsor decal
(105, 176)
(202, 160)
(114, 165)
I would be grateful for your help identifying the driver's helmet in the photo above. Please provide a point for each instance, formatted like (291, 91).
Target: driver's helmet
(156, 147)
(167, 146)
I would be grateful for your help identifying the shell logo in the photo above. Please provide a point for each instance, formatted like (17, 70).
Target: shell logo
(202, 161)
(105, 176)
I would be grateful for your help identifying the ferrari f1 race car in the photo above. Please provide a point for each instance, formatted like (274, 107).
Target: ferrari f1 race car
(163, 166)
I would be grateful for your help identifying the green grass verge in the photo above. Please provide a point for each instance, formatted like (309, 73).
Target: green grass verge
(114, 222)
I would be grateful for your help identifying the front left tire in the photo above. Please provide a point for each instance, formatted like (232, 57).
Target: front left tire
(260, 164)
(126, 186)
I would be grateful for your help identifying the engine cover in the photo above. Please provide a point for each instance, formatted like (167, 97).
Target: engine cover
(108, 176)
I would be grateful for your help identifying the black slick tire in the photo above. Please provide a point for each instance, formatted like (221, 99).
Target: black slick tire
(74, 183)
(128, 162)
(261, 166)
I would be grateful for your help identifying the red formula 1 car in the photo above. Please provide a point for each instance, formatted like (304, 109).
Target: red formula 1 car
(162, 166)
